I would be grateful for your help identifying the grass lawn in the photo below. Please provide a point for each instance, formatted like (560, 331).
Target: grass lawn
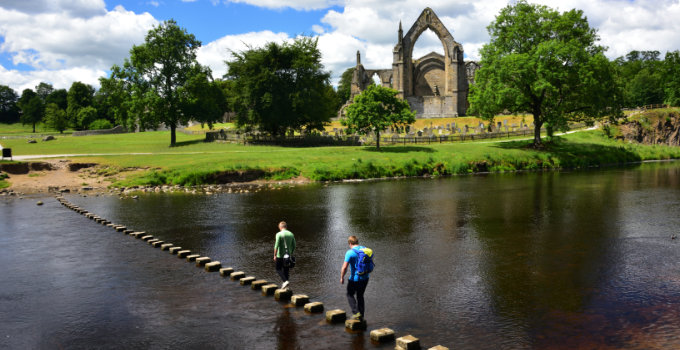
(17, 129)
(193, 161)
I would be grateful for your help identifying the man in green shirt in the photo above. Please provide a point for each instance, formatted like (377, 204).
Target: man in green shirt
(283, 244)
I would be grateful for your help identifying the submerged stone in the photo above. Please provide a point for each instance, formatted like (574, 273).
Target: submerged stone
(336, 316)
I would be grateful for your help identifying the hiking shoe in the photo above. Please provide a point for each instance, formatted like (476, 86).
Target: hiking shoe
(284, 285)
(357, 316)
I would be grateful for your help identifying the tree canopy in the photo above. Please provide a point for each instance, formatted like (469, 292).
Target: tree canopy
(281, 87)
(163, 82)
(545, 63)
(79, 96)
(32, 108)
(345, 85)
(376, 109)
(9, 111)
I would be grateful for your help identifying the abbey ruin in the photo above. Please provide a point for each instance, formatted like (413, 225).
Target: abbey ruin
(435, 86)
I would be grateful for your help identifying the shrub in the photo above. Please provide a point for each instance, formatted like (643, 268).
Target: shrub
(100, 124)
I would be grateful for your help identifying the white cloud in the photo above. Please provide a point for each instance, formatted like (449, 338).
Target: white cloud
(215, 53)
(60, 78)
(68, 45)
(77, 8)
(294, 4)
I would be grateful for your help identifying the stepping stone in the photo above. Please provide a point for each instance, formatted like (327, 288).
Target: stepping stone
(147, 237)
(314, 307)
(138, 234)
(226, 271)
(246, 280)
(237, 275)
(157, 244)
(183, 253)
(355, 325)
(256, 285)
(152, 241)
(166, 246)
(336, 316)
(193, 257)
(213, 266)
(174, 250)
(299, 299)
(268, 289)
(282, 294)
(382, 335)
(110, 224)
(127, 232)
(202, 261)
(438, 347)
(121, 228)
(408, 342)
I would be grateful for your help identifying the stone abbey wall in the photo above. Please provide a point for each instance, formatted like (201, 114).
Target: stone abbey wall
(435, 85)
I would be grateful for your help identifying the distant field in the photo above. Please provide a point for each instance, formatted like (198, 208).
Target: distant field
(19, 129)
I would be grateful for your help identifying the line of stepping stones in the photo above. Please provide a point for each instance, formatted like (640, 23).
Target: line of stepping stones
(381, 335)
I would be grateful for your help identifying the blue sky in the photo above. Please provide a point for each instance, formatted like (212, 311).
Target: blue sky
(62, 41)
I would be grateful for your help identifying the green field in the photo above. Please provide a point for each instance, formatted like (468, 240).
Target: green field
(194, 162)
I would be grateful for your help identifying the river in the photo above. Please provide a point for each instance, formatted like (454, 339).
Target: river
(554, 260)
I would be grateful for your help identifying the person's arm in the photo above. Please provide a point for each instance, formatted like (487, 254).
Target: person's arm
(276, 246)
(343, 272)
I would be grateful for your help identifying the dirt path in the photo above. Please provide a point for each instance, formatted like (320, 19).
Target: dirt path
(61, 177)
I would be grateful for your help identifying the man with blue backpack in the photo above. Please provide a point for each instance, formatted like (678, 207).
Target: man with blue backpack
(360, 261)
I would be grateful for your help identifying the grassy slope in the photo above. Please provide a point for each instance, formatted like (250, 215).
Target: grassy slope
(192, 161)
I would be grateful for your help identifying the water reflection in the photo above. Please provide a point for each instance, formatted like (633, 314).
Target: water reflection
(536, 260)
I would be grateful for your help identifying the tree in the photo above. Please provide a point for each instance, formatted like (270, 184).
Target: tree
(9, 111)
(376, 109)
(546, 63)
(345, 85)
(641, 74)
(114, 98)
(672, 74)
(165, 81)
(58, 97)
(43, 90)
(79, 96)
(55, 117)
(281, 87)
(32, 108)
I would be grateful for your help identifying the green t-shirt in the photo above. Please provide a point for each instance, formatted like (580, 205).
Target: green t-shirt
(280, 247)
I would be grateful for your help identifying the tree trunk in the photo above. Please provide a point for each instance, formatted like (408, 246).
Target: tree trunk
(377, 140)
(538, 123)
(173, 138)
(34, 128)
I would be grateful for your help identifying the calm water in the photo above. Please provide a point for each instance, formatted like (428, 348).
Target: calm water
(526, 261)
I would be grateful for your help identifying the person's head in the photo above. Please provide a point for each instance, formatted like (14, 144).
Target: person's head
(353, 240)
(283, 226)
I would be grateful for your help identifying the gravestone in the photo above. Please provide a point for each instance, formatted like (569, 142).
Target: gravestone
(499, 125)
(420, 133)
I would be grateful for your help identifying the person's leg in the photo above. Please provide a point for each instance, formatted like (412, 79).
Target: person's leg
(361, 288)
(280, 270)
(350, 296)
(286, 272)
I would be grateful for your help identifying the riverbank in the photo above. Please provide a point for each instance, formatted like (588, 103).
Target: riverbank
(197, 163)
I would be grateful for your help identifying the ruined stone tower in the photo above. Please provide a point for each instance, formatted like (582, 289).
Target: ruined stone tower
(435, 86)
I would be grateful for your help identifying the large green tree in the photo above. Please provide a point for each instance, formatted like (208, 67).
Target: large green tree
(376, 109)
(545, 63)
(55, 117)
(672, 73)
(32, 108)
(345, 85)
(9, 111)
(166, 83)
(281, 87)
(79, 96)
(58, 97)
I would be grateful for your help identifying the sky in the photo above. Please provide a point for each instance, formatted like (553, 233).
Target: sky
(62, 41)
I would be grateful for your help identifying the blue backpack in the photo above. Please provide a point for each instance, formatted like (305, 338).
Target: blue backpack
(364, 263)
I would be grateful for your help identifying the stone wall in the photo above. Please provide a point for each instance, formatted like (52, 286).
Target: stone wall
(117, 130)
